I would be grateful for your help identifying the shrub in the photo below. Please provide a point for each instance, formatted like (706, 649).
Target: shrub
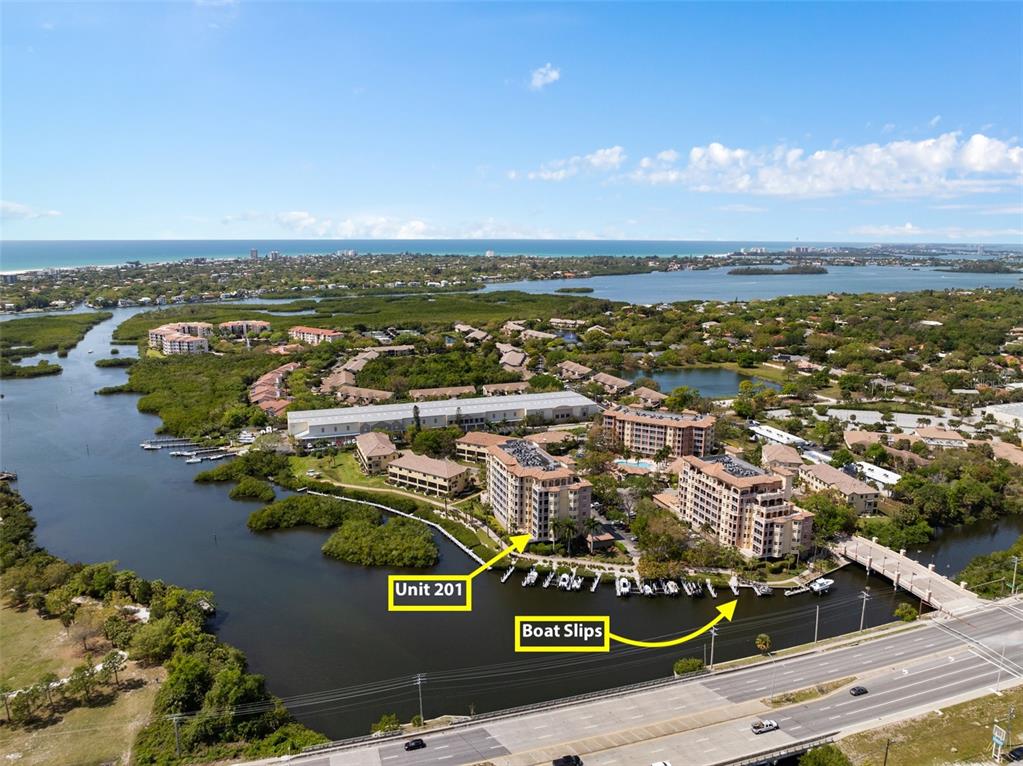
(250, 488)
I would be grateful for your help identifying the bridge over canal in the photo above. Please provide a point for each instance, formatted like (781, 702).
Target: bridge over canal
(919, 579)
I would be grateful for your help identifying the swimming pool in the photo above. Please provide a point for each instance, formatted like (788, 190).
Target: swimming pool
(649, 465)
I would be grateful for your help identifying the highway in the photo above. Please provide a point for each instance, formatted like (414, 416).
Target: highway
(704, 721)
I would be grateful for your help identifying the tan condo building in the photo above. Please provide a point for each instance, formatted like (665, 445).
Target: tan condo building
(314, 336)
(181, 337)
(375, 451)
(859, 494)
(646, 432)
(528, 489)
(741, 505)
(428, 475)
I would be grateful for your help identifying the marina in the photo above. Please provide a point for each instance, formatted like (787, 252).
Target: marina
(115, 502)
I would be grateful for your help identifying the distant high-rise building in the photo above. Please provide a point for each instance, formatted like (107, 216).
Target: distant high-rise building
(274, 255)
(254, 254)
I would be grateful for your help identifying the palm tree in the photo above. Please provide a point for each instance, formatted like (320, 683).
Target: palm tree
(589, 526)
(564, 528)
(763, 643)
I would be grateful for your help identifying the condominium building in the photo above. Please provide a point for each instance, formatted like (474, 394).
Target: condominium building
(472, 447)
(860, 495)
(647, 432)
(443, 392)
(742, 506)
(428, 475)
(374, 451)
(244, 327)
(343, 424)
(528, 489)
(314, 336)
(569, 370)
(612, 384)
(181, 337)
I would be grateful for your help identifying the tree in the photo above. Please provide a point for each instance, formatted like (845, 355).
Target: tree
(763, 643)
(906, 612)
(682, 398)
(686, 665)
(81, 681)
(825, 755)
(387, 722)
(841, 457)
(5, 692)
(562, 528)
(832, 515)
(154, 641)
(47, 683)
(113, 663)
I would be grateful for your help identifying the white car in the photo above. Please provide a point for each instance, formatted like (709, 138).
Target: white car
(761, 727)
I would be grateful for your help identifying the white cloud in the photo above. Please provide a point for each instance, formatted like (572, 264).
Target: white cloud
(943, 233)
(741, 208)
(544, 76)
(935, 166)
(15, 211)
(610, 158)
(933, 122)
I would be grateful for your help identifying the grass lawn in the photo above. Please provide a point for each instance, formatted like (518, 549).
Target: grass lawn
(343, 468)
(962, 733)
(87, 735)
(31, 646)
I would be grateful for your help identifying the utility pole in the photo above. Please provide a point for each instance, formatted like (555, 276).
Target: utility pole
(886, 746)
(1008, 726)
(816, 623)
(177, 734)
(865, 595)
(1015, 566)
(713, 634)
(419, 684)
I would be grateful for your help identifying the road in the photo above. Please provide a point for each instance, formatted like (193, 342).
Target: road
(706, 720)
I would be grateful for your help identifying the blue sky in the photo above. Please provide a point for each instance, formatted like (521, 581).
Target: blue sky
(836, 122)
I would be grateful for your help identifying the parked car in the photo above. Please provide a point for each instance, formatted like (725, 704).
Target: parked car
(762, 727)
(415, 744)
(568, 760)
(858, 691)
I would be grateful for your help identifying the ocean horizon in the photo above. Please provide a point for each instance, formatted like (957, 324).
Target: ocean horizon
(28, 255)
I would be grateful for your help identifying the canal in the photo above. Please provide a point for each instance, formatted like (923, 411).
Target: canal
(320, 628)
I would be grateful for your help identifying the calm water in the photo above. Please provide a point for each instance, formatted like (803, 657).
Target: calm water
(311, 624)
(717, 284)
(711, 382)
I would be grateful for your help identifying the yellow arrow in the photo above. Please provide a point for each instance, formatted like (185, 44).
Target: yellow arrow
(518, 545)
(725, 612)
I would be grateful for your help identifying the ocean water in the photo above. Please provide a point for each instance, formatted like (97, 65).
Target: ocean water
(22, 255)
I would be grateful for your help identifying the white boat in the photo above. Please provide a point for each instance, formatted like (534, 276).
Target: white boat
(823, 585)
(622, 586)
(710, 589)
(596, 582)
(564, 581)
(194, 460)
(671, 588)
(647, 590)
(548, 579)
(530, 578)
(506, 575)
(148, 446)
